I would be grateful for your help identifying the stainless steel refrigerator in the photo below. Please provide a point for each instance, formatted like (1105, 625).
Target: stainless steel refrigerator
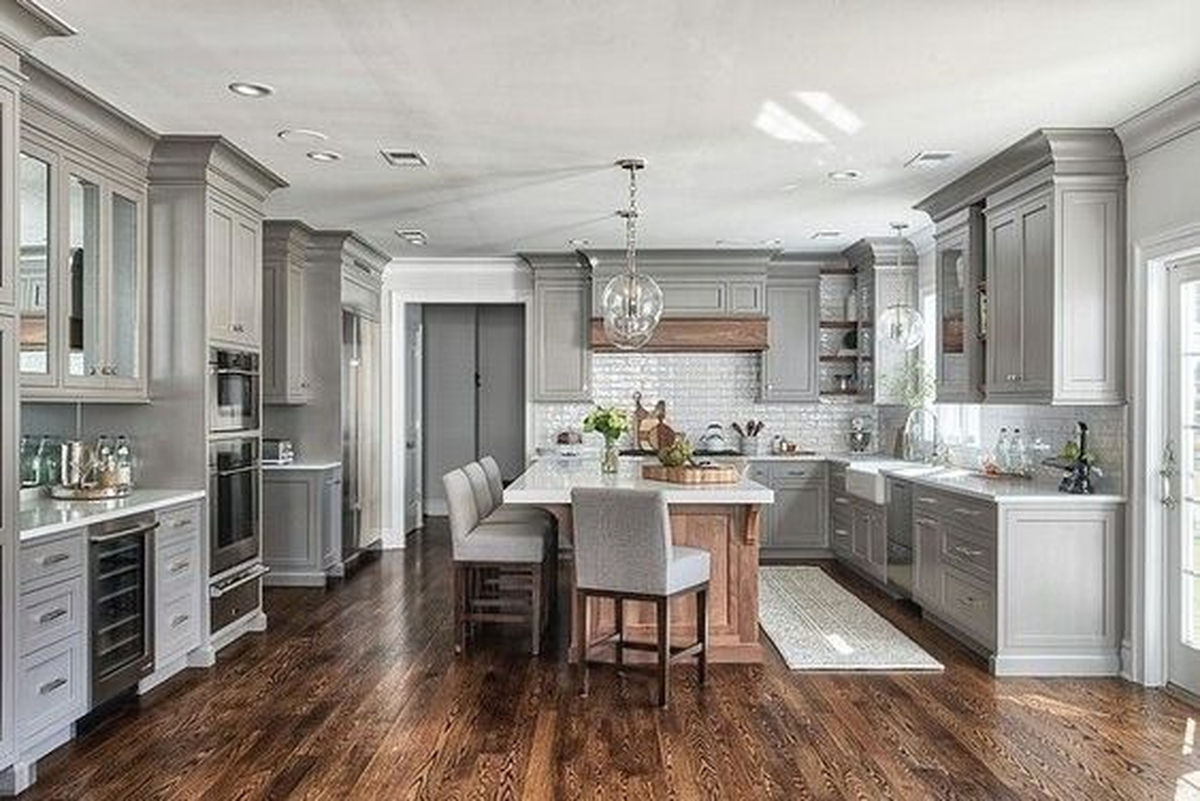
(360, 440)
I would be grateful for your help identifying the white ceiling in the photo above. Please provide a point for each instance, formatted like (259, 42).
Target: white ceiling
(521, 106)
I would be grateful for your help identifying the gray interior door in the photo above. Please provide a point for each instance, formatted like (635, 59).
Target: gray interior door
(501, 366)
(449, 395)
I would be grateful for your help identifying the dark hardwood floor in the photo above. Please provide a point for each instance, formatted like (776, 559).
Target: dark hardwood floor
(355, 693)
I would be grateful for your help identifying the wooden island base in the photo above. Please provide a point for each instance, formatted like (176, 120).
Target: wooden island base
(730, 534)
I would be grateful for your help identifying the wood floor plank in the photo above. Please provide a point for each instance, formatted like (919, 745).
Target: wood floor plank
(354, 692)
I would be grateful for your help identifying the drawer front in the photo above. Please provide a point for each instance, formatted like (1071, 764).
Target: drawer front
(837, 477)
(50, 614)
(760, 472)
(177, 627)
(972, 554)
(61, 557)
(798, 471)
(180, 521)
(178, 568)
(840, 537)
(234, 605)
(930, 502)
(972, 514)
(50, 686)
(969, 603)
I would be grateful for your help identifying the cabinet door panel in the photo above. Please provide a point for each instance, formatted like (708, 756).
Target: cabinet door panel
(927, 578)
(124, 303)
(683, 298)
(38, 306)
(1004, 305)
(790, 365)
(247, 281)
(562, 362)
(1037, 296)
(85, 350)
(296, 329)
(220, 265)
(799, 516)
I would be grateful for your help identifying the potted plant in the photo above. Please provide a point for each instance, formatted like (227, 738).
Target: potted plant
(611, 423)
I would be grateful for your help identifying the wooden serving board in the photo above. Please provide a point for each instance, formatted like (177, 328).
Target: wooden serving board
(720, 474)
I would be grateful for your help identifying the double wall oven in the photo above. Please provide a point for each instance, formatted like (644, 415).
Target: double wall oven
(234, 486)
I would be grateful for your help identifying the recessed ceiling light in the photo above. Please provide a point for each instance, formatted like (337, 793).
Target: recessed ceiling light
(578, 243)
(845, 175)
(413, 236)
(325, 155)
(828, 233)
(404, 158)
(305, 135)
(249, 89)
(929, 158)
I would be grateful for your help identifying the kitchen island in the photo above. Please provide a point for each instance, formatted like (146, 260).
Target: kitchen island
(723, 519)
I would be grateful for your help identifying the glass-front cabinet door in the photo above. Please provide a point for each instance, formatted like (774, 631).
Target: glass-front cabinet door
(37, 303)
(85, 357)
(124, 299)
(959, 278)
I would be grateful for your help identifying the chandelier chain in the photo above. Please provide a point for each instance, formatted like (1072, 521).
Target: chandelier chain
(631, 216)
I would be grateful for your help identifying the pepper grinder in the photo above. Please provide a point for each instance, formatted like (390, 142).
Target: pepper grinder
(1077, 478)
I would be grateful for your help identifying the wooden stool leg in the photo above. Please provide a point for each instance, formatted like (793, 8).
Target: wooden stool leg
(619, 616)
(535, 610)
(581, 638)
(664, 650)
(459, 600)
(702, 634)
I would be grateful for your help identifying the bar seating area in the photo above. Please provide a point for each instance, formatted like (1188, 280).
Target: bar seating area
(505, 559)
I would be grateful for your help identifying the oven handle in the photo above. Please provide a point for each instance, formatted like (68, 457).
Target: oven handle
(232, 371)
(258, 571)
(129, 532)
(236, 471)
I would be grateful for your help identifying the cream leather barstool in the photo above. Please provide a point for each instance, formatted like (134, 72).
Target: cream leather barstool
(623, 551)
(500, 568)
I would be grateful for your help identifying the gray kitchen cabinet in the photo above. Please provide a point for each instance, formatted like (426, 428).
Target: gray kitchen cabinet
(562, 362)
(234, 276)
(1053, 264)
(694, 283)
(285, 324)
(301, 523)
(927, 570)
(178, 587)
(796, 525)
(83, 249)
(959, 264)
(10, 117)
(790, 367)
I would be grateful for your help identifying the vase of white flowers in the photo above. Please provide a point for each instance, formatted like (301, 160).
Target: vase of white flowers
(610, 422)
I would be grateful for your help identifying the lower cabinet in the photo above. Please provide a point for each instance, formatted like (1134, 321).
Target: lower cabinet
(927, 564)
(795, 526)
(302, 531)
(178, 587)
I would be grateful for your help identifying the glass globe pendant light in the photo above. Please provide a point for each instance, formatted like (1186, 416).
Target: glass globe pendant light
(631, 303)
(900, 324)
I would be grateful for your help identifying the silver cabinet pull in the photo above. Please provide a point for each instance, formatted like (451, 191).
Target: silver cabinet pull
(965, 551)
(926, 499)
(179, 567)
(841, 501)
(51, 686)
(1167, 473)
(54, 558)
(967, 512)
(179, 620)
(969, 600)
(184, 523)
(53, 614)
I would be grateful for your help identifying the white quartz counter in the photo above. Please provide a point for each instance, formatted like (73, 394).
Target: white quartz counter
(302, 466)
(996, 490)
(549, 481)
(44, 515)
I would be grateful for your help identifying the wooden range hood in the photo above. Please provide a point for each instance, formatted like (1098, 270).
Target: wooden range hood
(695, 334)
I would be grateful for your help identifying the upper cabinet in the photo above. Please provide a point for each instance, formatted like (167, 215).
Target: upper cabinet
(82, 266)
(234, 275)
(885, 272)
(285, 327)
(1052, 289)
(562, 363)
(790, 368)
(716, 283)
(961, 340)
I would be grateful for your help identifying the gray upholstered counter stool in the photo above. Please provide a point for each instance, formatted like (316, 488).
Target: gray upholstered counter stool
(503, 571)
(495, 486)
(623, 551)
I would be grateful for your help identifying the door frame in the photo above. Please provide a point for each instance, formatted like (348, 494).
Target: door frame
(1146, 644)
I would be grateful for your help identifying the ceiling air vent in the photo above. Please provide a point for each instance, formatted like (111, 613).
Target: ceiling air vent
(404, 158)
(413, 236)
(929, 158)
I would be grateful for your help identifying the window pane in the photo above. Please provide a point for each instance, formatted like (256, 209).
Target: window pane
(35, 304)
(125, 311)
(83, 271)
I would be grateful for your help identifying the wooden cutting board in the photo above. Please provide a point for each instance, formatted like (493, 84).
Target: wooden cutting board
(719, 474)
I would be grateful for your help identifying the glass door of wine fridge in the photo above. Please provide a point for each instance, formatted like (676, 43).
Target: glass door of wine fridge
(122, 604)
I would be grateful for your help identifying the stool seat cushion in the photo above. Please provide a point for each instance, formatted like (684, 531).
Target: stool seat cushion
(519, 514)
(503, 542)
(687, 568)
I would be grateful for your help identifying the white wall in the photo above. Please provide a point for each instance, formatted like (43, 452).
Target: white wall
(1162, 147)
(440, 280)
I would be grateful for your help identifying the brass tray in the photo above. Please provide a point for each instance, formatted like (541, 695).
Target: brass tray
(89, 493)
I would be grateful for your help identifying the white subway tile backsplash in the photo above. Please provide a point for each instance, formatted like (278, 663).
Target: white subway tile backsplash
(700, 388)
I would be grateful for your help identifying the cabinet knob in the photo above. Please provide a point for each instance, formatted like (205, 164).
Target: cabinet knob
(91, 371)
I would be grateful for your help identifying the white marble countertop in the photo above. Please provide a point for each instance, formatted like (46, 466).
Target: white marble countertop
(996, 490)
(44, 515)
(302, 466)
(550, 480)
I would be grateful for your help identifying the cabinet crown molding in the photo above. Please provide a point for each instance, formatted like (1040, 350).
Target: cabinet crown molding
(1066, 151)
(24, 22)
(194, 158)
(880, 251)
(1164, 122)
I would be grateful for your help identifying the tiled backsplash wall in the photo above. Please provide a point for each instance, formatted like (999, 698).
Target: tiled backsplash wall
(700, 388)
(970, 428)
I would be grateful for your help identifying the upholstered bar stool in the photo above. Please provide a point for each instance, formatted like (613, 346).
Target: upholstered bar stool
(623, 551)
(500, 568)
(495, 486)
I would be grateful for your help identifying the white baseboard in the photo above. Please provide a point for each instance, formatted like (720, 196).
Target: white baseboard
(23, 772)
(1127, 660)
(1095, 664)
(163, 673)
(255, 621)
(436, 508)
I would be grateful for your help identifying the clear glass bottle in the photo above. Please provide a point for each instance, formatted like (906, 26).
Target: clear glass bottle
(29, 463)
(1020, 455)
(49, 456)
(123, 457)
(103, 472)
(1003, 451)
